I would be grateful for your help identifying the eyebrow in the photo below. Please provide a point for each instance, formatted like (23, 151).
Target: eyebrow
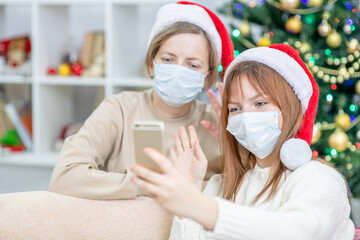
(251, 99)
(173, 55)
(169, 53)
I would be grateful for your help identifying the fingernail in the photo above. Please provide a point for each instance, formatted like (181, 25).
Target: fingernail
(132, 167)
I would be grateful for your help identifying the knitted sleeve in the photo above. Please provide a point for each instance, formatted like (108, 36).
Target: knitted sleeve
(188, 229)
(315, 206)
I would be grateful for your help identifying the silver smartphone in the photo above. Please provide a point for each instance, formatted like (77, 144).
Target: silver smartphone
(148, 134)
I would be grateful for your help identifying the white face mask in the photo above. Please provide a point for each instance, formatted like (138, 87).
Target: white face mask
(258, 132)
(177, 85)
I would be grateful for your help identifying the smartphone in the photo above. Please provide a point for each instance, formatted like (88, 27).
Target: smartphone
(148, 134)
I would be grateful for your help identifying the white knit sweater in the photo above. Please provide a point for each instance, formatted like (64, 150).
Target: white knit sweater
(311, 203)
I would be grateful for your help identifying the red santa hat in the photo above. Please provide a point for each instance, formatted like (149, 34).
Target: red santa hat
(287, 62)
(202, 17)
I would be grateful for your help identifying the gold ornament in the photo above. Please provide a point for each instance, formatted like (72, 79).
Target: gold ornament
(333, 39)
(324, 28)
(290, 4)
(343, 120)
(357, 87)
(316, 3)
(353, 45)
(293, 25)
(316, 133)
(64, 70)
(264, 41)
(338, 140)
(245, 28)
(305, 47)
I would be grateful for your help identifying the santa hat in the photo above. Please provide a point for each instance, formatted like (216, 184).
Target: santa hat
(287, 62)
(202, 17)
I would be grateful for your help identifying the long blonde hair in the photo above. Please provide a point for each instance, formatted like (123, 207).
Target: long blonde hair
(237, 160)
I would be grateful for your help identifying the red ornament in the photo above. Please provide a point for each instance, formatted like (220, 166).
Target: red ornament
(51, 71)
(76, 69)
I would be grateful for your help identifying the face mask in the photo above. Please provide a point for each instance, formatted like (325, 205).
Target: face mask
(258, 132)
(177, 85)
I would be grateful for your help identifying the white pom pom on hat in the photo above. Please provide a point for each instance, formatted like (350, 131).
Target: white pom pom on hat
(202, 17)
(287, 62)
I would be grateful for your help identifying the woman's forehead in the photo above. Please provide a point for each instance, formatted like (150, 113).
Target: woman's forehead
(242, 87)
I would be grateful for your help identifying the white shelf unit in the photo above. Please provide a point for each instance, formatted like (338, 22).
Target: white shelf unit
(52, 25)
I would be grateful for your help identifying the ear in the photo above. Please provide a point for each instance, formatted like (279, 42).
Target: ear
(207, 81)
(151, 69)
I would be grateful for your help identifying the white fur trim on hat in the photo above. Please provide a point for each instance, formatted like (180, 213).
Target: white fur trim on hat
(172, 13)
(285, 65)
(294, 153)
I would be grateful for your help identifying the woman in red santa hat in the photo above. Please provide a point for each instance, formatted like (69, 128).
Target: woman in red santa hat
(270, 186)
(186, 44)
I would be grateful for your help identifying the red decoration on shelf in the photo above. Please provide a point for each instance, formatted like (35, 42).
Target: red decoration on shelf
(76, 69)
(51, 71)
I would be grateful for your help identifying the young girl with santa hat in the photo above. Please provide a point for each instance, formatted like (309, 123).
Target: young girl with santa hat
(186, 44)
(270, 186)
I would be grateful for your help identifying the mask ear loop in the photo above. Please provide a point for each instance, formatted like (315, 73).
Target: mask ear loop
(154, 64)
(205, 76)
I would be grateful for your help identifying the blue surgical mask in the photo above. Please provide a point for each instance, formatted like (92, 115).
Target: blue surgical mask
(258, 132)
(177, 85)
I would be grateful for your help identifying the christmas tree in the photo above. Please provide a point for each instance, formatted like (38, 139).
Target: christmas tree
(326, 33)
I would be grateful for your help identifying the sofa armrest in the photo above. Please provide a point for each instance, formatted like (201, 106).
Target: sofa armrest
(46, 215)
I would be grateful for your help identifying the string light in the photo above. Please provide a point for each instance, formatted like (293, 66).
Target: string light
(220, 68)
(315, 154)
(297, 10)
(333, 152)
(329, 97)
(353, 108)
(236, 53)
(236, 33)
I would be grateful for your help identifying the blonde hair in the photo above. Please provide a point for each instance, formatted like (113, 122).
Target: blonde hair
(237, 160)
(178, 28)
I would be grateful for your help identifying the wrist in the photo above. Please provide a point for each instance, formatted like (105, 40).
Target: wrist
(206, 212)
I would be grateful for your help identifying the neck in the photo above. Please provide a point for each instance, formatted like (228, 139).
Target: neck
(167, 111)
(264, 163)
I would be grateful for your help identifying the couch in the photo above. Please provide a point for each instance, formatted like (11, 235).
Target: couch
(40, 215)
(43, 215)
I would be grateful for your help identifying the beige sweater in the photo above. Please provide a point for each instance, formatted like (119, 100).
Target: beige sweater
(94, 162)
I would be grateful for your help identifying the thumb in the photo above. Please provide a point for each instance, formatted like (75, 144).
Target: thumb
(210, 127)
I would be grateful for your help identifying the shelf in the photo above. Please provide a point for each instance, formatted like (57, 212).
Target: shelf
(72, 81)
(55, 28)
(15, 79)
(29, 159)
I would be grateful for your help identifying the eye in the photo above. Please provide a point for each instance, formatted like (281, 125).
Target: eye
(167, 60)
(234, 109)
(193, 65)
(260, 104)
